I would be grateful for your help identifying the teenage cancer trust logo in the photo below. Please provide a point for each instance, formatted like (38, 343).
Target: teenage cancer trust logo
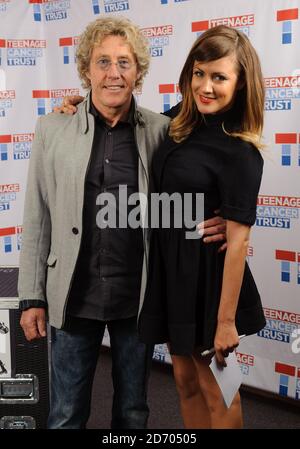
(289, 145)
(50, 10)
(286, 17)
(4, 5)
(170, 95)
(6, 101)
(242, 23)
(8, 193)
(289, 380)
(96, 6)
(277, 211)
(167, 2)
(69, 46)
(290, 265)
(158, 38)
(15, 146)
(111, 6)
(48, 99)
(280, 325)
(21, 52)
(281, 91)
(245, 361)
(10, 239)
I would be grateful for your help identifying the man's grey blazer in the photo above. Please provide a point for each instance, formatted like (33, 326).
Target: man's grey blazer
(52, 224)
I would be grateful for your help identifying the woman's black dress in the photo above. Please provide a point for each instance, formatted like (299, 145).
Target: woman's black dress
(185, 275)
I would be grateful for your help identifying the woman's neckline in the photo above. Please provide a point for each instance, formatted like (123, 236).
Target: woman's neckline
(218, 118)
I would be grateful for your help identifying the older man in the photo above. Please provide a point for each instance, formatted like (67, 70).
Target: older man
(83, 276)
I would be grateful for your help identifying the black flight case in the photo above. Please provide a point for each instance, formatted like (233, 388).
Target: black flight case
(24, 373)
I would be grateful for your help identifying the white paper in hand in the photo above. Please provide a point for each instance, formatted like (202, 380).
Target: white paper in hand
(229, 378)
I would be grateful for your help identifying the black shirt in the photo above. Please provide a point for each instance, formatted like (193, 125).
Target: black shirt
(107, 277)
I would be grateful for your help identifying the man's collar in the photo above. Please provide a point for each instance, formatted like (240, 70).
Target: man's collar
(84, 109)
(131, 118)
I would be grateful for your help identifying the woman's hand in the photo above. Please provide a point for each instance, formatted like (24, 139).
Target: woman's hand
(69, 104)
(226, 340)
(226, 337)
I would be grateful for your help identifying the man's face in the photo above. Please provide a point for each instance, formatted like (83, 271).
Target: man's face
(112, 86)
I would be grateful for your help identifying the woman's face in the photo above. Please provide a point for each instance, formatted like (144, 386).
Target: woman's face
(214, 84)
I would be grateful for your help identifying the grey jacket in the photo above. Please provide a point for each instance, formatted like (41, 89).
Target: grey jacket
(54, 201)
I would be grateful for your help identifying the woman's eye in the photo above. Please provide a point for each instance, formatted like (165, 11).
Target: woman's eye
(198, 73)
(220, 78)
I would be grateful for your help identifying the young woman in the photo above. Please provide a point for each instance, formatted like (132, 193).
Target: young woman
(198, 297)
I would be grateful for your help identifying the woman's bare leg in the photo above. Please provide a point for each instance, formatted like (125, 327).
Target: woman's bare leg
(221, 416)
(194, 410)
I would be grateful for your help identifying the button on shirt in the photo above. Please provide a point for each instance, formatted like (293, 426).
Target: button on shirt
(107, 277)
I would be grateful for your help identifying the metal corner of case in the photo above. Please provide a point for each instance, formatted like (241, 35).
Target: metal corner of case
(9, 303)
(17, 422)
(21, 389)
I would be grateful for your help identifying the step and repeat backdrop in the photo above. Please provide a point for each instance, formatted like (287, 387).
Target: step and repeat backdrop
(38, 40)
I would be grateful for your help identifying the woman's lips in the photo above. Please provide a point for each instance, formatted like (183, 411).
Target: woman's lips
(206, 100)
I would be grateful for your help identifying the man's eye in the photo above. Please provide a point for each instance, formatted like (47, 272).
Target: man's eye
(103, 62)
(124, 63)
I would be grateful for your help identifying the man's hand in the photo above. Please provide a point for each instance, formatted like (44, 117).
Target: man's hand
(33, 323)
(215, 229)
(69, 104)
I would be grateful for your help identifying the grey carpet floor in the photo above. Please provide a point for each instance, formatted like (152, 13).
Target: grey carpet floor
(259, 412)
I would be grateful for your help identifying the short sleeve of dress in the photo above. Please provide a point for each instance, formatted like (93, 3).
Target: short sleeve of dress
(239, 182)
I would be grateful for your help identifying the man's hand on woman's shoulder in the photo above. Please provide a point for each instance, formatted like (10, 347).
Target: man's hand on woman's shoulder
(69, 104)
